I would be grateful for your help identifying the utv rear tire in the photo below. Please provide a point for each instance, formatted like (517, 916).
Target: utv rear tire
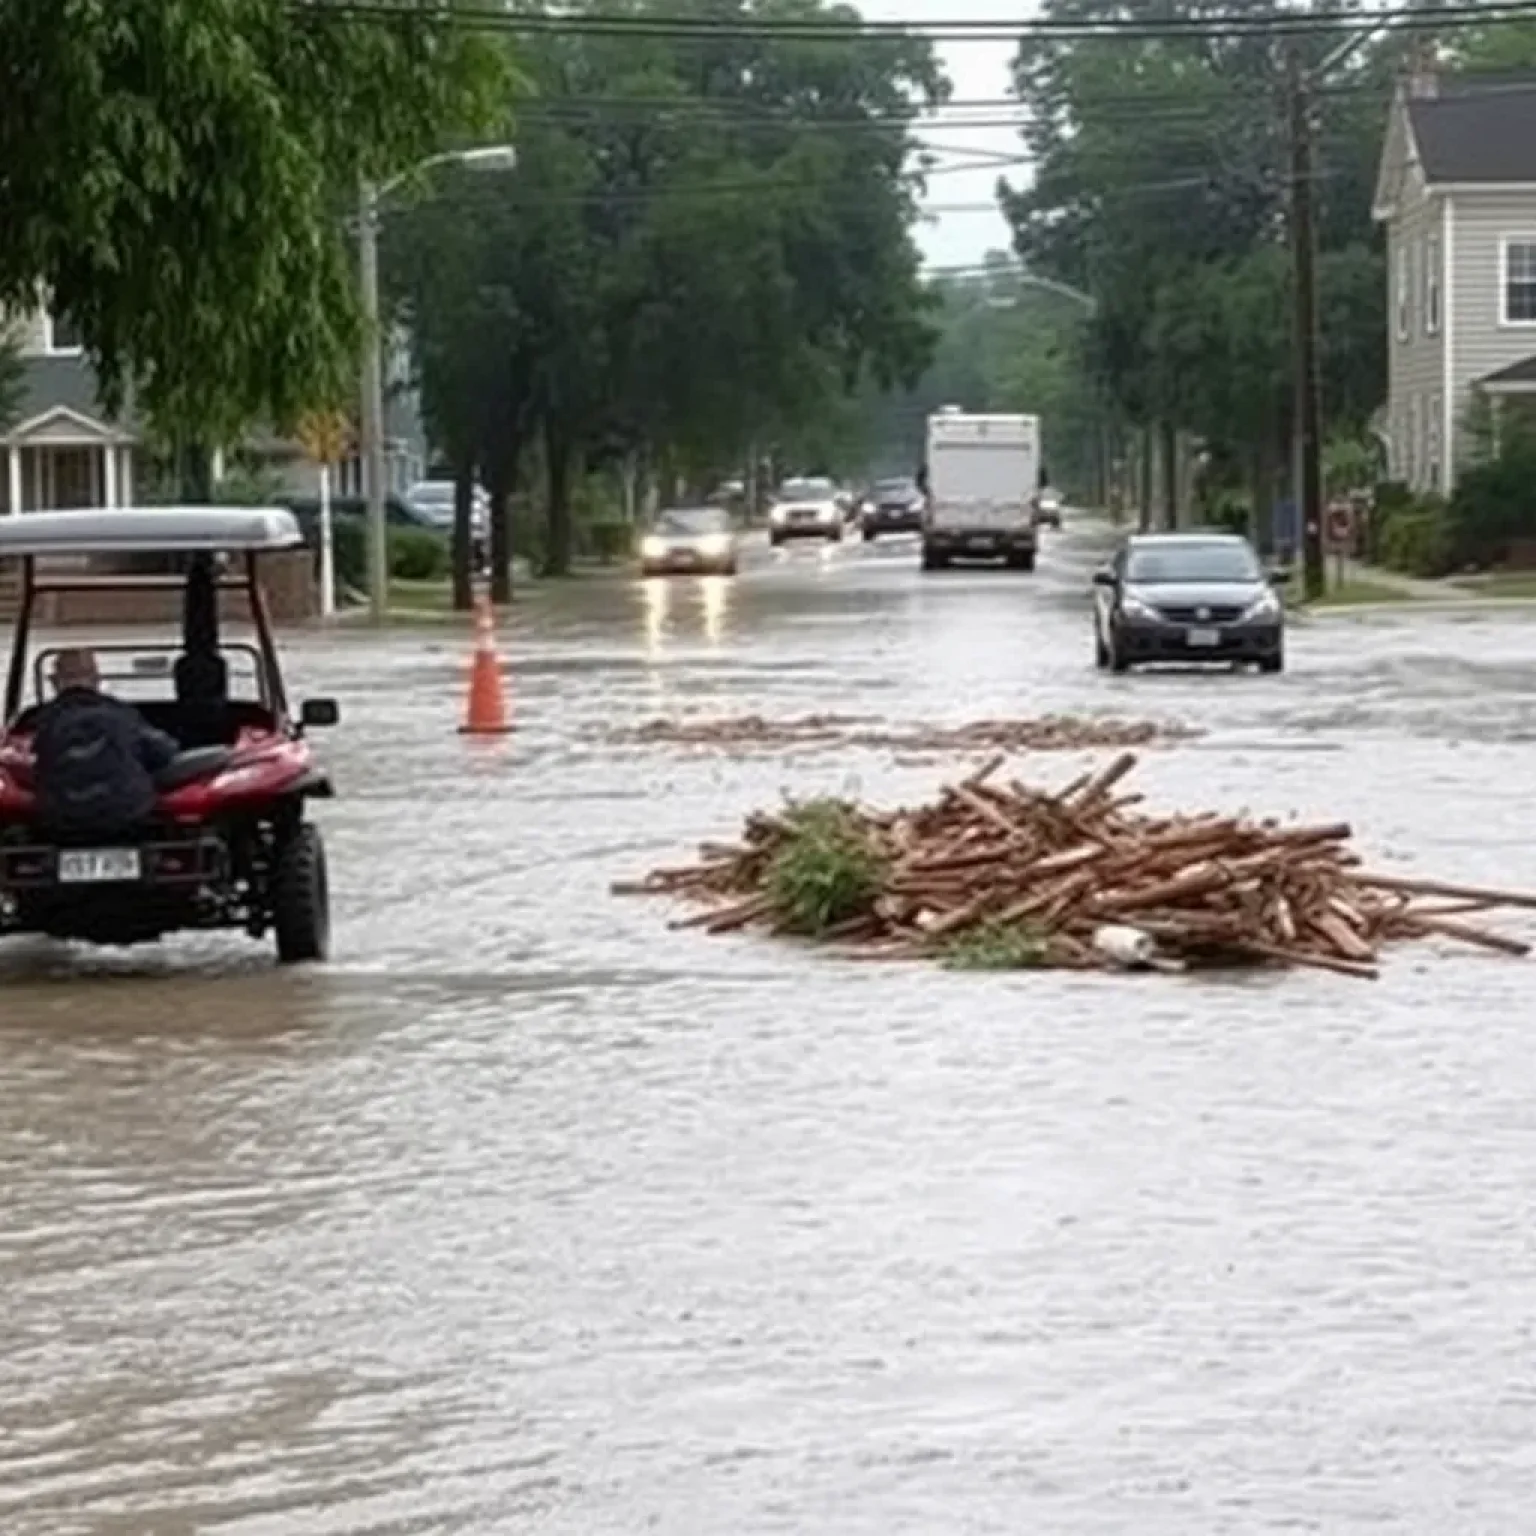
(1021, 562)
(301, 898)
(934, 562)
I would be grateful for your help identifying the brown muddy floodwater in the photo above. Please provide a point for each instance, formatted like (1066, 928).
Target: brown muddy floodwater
(528, 1214)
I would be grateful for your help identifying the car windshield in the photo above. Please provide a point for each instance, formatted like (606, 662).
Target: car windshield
(894, 487)
(1196, 561)
(431, 492)
(807, 490)
(694, 520)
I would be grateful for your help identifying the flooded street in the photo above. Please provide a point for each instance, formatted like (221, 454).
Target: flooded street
(527, 1214)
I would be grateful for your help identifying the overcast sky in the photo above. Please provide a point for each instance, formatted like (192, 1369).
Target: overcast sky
(978, 72)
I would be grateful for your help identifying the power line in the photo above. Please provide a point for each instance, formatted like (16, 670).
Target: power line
(1435, 17)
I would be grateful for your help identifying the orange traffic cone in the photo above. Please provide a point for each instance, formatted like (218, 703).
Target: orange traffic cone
(487, 711)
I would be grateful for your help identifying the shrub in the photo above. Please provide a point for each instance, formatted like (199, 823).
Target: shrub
(1417, 539)
(349, 547)
(611, 540)
(1494, 505)
(418, 554)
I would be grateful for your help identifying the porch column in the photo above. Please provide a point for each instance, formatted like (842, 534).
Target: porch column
(109, 475)
(125, 479)
(14, 466)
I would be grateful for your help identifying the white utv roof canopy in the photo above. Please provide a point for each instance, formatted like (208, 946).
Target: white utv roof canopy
(148, 530)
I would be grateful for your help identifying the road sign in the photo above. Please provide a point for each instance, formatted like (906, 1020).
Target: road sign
(326, 436)
(1340, 525)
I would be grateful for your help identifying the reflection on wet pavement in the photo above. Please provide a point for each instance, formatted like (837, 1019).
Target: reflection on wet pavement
(529, 1213)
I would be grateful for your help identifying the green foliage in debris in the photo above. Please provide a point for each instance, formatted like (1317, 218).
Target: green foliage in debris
(996, 947)
(826, 871)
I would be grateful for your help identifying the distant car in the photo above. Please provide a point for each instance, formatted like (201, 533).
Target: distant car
(1188, 597)
(1048, 509)
(892, 506)
(805, 509)
(694, 541)
(429, 503)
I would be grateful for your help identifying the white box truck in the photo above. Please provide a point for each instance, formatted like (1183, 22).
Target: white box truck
(983, 475)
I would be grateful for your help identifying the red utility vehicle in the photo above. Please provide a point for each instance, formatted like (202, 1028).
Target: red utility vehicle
(231, 845)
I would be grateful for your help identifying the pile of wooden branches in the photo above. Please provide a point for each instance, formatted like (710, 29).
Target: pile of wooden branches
(995, 875)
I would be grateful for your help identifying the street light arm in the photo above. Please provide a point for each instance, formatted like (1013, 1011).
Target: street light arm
(490, 157)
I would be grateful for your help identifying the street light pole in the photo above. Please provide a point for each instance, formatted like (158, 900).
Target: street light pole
(1309, 487)
(372, 403)
(498, 157)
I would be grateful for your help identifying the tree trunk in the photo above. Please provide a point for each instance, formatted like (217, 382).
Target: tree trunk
(463, 534)
(1261, 520)
(195, 472)
(1170, 458)
(1148, 474)
(557, 456)
(502, 475)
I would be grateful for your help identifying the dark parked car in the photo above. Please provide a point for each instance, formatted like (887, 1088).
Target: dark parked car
(892, 506)
(1188, 597)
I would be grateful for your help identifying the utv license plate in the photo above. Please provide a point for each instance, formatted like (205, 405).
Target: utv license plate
(1203, 638)
(99, 865)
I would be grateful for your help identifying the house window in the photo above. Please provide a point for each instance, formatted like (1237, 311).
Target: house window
(1403, 308)
(60, 335)
(1432, 286)
(1519, 284)
(1432, 439)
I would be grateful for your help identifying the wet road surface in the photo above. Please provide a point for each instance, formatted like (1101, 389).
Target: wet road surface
(528, 1214)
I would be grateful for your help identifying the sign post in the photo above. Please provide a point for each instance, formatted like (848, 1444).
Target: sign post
(325, 437)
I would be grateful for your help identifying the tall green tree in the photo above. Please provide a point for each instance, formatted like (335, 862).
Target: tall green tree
(1162, 185)
(704, 249)
(179, 175)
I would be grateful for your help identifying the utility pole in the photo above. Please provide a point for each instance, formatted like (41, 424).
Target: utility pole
(1309, 473)
(372, 412)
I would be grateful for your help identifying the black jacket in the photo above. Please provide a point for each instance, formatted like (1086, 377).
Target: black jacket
(96, 761)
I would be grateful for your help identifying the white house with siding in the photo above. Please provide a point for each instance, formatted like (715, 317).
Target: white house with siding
(1456, 193)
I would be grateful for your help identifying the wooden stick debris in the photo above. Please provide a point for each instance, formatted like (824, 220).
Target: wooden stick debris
(1022, 871)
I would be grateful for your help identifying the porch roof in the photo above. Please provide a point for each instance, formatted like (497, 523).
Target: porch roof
(1517, 379)
(60, 404)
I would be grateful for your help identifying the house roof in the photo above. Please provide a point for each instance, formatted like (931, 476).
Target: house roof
(1523, 372)
(62, 383)
(1477, 129)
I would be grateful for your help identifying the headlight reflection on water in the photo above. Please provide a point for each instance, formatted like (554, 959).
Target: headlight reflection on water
(684, 610)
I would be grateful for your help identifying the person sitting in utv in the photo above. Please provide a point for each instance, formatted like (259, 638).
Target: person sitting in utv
(95, 757)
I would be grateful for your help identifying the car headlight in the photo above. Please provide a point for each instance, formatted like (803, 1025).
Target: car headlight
(867, 508)
(653, 548)
(827, 514)
(1136, 608)
(715, 544)
(776, 515)
(1265, 606)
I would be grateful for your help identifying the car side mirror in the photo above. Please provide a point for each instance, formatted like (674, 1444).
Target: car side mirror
(318, 713)
(1104, 578)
